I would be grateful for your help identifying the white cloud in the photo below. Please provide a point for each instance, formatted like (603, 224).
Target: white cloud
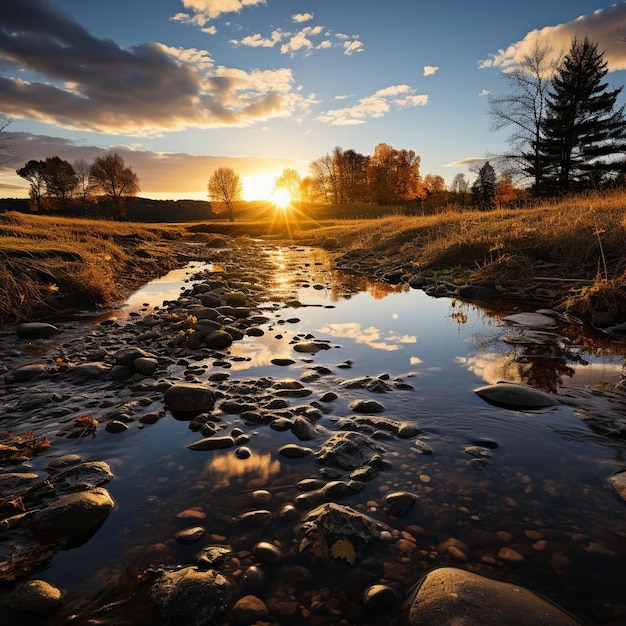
(77, 81)
(429, 70)
(212, 9)
(484, 92)
(302, 17)
(374, 106)
(606, 27)
(301, 40)
(350, 47)
(258, 41)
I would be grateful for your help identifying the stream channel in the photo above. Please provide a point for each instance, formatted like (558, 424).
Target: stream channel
(518, 495)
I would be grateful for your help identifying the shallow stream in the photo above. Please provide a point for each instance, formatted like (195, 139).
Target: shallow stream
(532, 506)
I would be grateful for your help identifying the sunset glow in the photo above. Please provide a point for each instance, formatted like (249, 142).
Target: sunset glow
(281, 198)
(255, 87)
(259, 186)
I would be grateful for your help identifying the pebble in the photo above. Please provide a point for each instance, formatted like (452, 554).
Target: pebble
(249, 610)
(293, 451)
(508, 554)
(191, 535)
(268, 553)
(379, 598)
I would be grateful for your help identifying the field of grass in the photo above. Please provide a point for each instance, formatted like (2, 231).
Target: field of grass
(47, 263)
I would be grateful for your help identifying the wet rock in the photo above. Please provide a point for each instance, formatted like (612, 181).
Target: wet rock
(121, 372)
(449, 595)
(303, 429)
(268, 553)
(91, 370)
(368, 424)
(212, 556)
(36, 330)
(256, 518)
(73, 517)
(379, 598)
(189, 397)
(366, 406)
(212, 443)
(243, 453)
(514, 396)
(83, 476)
(115, 426)
(399, 503)
(63, 462)
(532, 320)
(35, 597)
(253, 578)
(282, 362)
(145, 365)
(293, 451)
(406, 430)
(12, 482)
(375, 385)
(322, 527)
(218, 340)
(189, 596)
(477, 292)
(311, 347)
(249, 610)
(422, 447)
(127, 356)
(187, 536)
(418, 282)
(329, 396)
(26, 373)
(347, 451)
(618, 481)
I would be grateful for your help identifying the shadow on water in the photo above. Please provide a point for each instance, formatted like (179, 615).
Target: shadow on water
(521, 496)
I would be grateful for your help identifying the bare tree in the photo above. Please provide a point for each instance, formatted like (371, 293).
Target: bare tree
(83, 188)
(6, 156)
(116, 180)
(524, 108)
(225, 188)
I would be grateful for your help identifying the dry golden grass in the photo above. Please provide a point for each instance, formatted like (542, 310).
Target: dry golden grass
(48, 262)
(51, 263)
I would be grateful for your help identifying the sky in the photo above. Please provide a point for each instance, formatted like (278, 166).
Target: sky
(181, 87)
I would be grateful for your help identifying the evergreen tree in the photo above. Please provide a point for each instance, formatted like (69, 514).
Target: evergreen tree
(582, 130)
(484, 188)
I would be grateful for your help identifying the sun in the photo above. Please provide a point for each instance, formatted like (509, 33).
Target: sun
(281, 198)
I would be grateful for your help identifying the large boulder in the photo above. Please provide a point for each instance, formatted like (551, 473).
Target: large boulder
(188, 596)
(453, 596)
(72, 518)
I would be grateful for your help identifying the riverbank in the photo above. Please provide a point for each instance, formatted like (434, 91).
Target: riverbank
(228, 430)
(569, 254)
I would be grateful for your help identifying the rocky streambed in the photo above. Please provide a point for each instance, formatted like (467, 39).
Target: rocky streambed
(215, 459)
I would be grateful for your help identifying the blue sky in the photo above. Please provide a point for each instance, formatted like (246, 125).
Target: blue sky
(179, 87)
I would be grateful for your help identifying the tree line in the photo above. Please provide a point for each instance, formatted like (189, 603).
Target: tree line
(568, 134)
(56, 185)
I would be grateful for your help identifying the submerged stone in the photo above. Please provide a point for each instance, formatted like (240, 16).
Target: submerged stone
(36, 330)
(514, 396)
(453, 596)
